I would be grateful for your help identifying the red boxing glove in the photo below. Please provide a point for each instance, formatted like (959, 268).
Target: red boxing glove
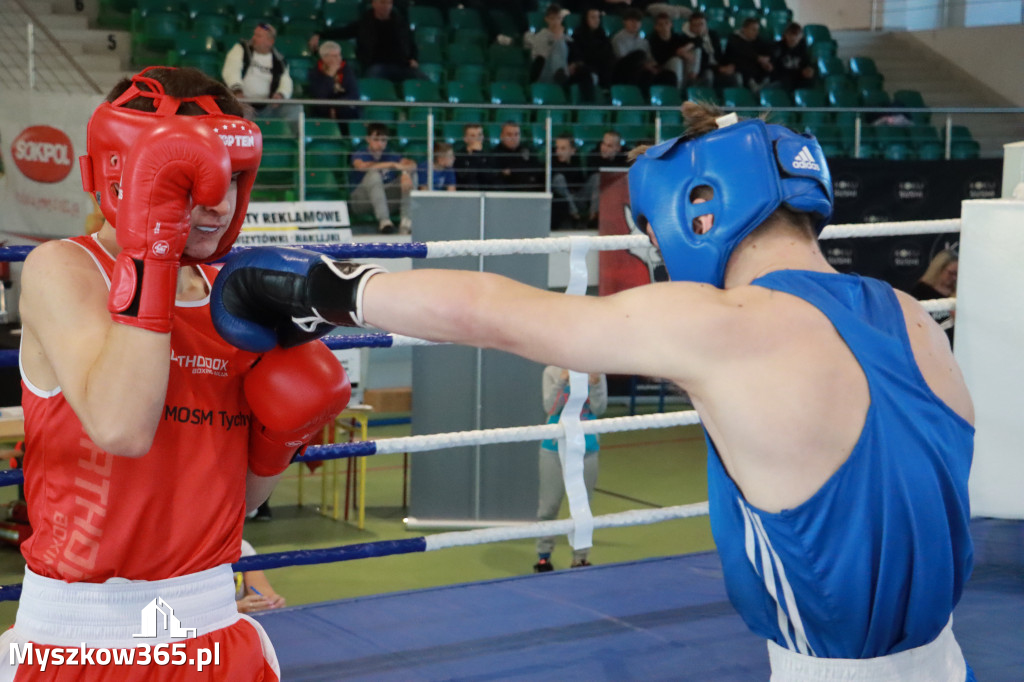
(293, 393)
(177, 161)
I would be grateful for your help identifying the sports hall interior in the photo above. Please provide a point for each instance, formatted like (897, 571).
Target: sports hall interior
(931, 62)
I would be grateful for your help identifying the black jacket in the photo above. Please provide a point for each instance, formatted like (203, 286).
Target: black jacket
(377, 42)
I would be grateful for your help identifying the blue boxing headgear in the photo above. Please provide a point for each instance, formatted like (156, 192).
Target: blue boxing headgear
(753, 168)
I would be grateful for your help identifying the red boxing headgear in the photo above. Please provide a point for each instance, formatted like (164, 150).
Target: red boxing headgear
(112, 132)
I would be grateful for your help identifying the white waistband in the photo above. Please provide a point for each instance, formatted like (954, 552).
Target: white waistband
(938, 661)
(110, 614)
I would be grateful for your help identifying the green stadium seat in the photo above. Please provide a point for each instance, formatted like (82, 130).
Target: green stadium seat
(665, 96)
(278, 163)
(838, 83)
(822, 48)
(844, 99)
(411, 132)
(321, 129)
(875, 98)
(197, 8)
(301, 28)
(548, 93)
(504, 23)
(831, 66)
(870, 82)
(611, 23)
(159, 30)
(327, 154)
(341, 12)
(210, 64)
(435, 72)
(425, 15)
(147, 7)
(509, 74)
(471, 36)
(912, 99)
(260, 9)
(626, 96)
(465, 53)
(221, 28)
(507, 55)
(769, 6)
(738, 97)
(504, 92)
(322, 185)
(589, 135)
(629, 118)
(774, 99)
(474, 74)
(699, 93)
(293, 46)
(381, 114)
(898, 151)
(470, 115)
(433, 35)
(812, 98)
(635, 133)
(292, 10)
(815, 32)
(590, 116)
(520, 116)
(863, 66)
(776, 22)
(195, 43)
(377, 90)
(465, 18)
(415, 90)
(276, 128)
(572, 22)
(535, 20)
(451, 132)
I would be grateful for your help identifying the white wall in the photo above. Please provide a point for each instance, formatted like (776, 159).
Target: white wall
(838, 15)
(992, 54)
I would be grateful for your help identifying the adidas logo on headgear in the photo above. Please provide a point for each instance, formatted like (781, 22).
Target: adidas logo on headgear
(805, 160)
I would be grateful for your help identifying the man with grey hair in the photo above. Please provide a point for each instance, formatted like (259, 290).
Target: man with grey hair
(333, 78)
(253, 69)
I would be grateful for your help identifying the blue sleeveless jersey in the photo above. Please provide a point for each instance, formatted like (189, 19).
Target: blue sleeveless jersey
(874, 562)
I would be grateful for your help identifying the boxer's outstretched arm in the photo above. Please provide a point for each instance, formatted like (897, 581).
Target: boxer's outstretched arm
(114, 376)
(648, 330)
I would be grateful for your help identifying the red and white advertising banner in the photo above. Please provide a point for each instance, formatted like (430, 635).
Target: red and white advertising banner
(41, 137)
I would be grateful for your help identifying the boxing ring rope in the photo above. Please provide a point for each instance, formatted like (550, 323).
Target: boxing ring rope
(577, 245)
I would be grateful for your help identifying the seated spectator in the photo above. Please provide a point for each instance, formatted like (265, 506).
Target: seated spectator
(791, 61)
(609, 153)
(634, 64)
(571, 202)
(253, 69)
(749, 54)
(513, 166)
(252, 589)
(549, 49)
(710, 67)
(444, 174)
(939, 281)
(384, 44)
(472, 167)
(382, 180)
(590, 56)
(333, 78)
(672, 51)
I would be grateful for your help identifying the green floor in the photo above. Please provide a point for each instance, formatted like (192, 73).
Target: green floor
(645, 469)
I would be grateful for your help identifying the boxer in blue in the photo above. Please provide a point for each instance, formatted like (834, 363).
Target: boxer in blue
(838, 425)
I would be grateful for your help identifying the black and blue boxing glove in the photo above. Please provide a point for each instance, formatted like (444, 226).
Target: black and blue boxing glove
(270, 296)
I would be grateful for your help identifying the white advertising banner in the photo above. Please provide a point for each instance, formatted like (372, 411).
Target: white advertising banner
(41, 137)
(295, 223)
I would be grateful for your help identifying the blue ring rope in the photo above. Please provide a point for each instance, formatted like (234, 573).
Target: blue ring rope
(302, 557)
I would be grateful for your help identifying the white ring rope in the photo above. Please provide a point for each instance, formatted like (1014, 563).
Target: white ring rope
(538, 245)
(519, 434)
(538, 529)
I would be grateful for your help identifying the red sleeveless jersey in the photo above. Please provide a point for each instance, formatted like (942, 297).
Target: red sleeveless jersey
(177, 509)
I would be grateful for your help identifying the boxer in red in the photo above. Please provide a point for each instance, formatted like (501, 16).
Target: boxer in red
(147, 435)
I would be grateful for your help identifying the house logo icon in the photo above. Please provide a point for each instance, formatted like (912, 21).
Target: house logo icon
(158, 618)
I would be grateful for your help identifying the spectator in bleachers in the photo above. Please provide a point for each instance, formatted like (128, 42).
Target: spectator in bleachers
(570, 202)
(549, 49)
(672, 51)
(712, 70)
(444, 173)
(472, 167)
(512, 163)
(384, 44)
(590, 56)
(634, 64)
(253, 69)
(791, 60)
(609, 153)
(382, 180)
(333, 78)
(749, 54)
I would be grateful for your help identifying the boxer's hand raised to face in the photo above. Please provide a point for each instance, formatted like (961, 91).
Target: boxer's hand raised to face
(269, 296)
(176, 163)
